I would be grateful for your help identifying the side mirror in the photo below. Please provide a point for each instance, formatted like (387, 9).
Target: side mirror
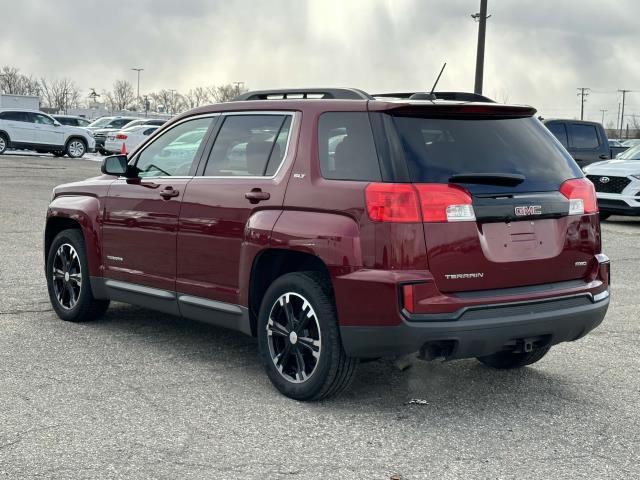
(115, 165)
(56, 123)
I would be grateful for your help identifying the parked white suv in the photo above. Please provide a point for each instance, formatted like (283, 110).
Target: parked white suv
(617, 183)
(35, 130)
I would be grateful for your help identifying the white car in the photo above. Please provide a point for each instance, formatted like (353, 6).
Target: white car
(617, 183)
(131, 137)
(35, 130)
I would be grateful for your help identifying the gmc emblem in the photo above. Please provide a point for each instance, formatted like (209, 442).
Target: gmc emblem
(528, 210)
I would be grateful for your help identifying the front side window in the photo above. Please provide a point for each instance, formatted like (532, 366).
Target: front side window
(173, 153)
(584, 136)
(42, 119)
(249, 145)
(346, 147)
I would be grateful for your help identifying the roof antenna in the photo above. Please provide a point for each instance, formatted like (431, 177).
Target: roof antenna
(430, 95)
(437, 79)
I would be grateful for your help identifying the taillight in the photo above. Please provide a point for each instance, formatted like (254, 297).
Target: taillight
(121, 136)
(445, 203)
(407, 298)
(403, 202)
(581, 195)
(392, 202)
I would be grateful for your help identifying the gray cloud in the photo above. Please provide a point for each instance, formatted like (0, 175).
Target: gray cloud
(538, 52)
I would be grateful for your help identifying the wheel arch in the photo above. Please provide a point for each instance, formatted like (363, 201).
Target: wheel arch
(272, 263)
(8, 137)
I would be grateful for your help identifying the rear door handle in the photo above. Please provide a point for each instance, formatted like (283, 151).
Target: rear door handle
(603, 156)
(169, 192)
(256, 195)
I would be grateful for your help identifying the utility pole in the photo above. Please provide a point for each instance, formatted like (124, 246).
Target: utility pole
(237, 84)
(618, 118)
(624, 93)
(603, 110)
(481, 18)
(138, 70)
(583, 93)
(173, 101)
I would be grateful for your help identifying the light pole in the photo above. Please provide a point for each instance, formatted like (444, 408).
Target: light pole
(138, 70)
(173, 102)
(238, 84)
(481, 18)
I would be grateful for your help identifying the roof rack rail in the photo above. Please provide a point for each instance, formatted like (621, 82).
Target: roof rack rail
(305, 93)
(456, 96)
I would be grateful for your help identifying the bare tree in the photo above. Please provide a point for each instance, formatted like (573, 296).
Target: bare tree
(226, 93)
(122, 95)
(197, 96)
(15, 83)
(60, 94)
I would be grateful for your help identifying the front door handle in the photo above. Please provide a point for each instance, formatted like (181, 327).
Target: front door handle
(169, 192)
(256, 195)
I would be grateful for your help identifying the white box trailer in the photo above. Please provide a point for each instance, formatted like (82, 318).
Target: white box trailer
(31, 102)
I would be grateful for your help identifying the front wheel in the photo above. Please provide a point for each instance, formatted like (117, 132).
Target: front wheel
(4, 143)
(75, 148)
(299, 338)
(68, 279)
(507, 360)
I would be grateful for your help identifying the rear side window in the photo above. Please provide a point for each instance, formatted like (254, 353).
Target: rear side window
(119, 123)
(559, 131)
(249, 145)
(14, 116)
(584, 136)
(346, 147)
(437, 148)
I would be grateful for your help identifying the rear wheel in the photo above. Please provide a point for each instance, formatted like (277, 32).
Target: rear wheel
(68, 279)
(4, 143)
(506, 360)
(299, 338)
(75, 148)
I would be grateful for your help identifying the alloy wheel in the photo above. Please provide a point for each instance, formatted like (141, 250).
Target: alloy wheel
(294, 338)
(67, 276)
(76, 148)
(3, 144)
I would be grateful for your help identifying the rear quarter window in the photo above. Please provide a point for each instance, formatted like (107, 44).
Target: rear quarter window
(346, 147)
(437, 148)
(559, 131)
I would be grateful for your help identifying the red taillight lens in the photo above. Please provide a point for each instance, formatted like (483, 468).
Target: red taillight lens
(407, 298)
(401, 202)
(392, 202)
(121, 136)
(581, 195)
(445, 203)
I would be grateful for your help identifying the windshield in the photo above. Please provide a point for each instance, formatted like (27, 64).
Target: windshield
(101, 122)
(632, 153)
(438, 148)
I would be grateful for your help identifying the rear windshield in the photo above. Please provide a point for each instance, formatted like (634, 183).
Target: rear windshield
(437, 148)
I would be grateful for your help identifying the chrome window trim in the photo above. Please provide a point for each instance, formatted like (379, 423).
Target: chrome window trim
(294, 124)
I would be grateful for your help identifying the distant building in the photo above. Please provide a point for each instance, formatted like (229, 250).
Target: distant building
(31, 102)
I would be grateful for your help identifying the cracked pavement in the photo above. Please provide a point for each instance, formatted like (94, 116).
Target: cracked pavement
(140, 394)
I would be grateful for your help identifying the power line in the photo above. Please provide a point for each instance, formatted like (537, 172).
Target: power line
(584, 92)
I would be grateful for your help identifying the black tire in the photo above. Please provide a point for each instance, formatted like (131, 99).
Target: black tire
(604, 216)
(86, 307)
(58, 154)
(4, 143)
(333, 369)
(507, 360)
(103, 152)
(75, 148)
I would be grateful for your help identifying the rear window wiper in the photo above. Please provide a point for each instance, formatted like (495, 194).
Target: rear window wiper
(506, 179)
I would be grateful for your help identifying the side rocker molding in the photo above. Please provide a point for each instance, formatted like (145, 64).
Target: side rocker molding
(221, 314)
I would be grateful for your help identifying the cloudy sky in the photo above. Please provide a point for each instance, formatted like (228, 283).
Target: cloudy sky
(538, 51)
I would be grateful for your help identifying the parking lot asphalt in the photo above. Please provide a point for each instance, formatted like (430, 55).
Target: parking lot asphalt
(140, 394)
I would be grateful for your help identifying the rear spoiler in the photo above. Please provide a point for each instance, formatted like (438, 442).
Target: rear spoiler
(476, 110)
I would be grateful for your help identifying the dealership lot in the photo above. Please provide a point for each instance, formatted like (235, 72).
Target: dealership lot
(144, 394)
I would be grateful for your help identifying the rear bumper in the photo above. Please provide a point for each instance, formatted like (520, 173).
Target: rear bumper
(619, 207)
(483, 330)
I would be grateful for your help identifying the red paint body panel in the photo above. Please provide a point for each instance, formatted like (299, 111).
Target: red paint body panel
(139, 231)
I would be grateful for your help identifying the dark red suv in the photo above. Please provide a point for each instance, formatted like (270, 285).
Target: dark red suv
(336, 226)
